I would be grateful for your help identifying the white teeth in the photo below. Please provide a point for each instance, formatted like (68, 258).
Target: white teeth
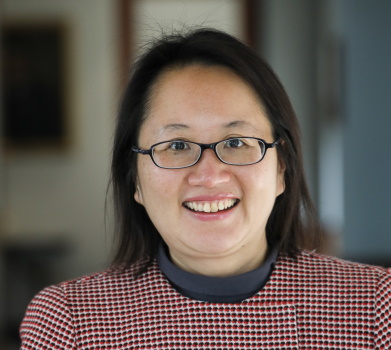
(211, 207)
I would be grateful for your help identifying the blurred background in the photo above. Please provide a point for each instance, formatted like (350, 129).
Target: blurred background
(64, 65)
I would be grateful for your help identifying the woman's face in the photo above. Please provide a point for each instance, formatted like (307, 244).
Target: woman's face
(208, 104)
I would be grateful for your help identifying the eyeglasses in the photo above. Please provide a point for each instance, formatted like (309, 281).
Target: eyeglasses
(178, 154)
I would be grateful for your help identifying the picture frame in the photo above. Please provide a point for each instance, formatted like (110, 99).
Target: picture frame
(33, 68)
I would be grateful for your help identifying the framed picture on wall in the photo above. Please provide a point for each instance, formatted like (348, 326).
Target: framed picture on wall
(33, 79)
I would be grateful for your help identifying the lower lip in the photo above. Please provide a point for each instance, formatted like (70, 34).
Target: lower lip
(220, 215)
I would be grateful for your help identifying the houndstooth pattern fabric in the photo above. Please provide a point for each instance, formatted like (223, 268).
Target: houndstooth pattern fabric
(312, 302)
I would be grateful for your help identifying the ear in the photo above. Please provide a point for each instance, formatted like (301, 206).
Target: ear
(138, 195)
(280, 177)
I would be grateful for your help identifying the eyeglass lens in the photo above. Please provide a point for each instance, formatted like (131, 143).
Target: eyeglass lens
(237, 151)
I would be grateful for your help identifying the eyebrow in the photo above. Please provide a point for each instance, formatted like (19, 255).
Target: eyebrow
(240, 123)
(173, 127)
(234, 124)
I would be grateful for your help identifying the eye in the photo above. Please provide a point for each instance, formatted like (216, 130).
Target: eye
(234, 143)
(178, 145)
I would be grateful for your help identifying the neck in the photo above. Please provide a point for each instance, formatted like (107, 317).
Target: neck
(221, 266)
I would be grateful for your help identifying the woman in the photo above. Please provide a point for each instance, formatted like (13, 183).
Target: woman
(214, 218)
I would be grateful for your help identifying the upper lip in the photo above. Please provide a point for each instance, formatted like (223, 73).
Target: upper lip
(210, 198)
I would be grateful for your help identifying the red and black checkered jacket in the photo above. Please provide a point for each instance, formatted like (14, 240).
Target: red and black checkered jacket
(312, 302)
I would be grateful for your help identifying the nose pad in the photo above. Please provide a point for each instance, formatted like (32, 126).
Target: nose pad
(209, 153)
(209, 171)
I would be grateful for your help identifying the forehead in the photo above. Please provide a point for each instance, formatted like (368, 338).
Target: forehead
(203, 98)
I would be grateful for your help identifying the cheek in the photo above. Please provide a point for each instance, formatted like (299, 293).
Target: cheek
(156, 184)
(263, 183)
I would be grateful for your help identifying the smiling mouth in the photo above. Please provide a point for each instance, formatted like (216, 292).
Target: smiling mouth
(211, 207)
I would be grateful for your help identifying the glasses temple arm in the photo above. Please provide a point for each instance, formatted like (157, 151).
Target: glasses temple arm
(141, 151)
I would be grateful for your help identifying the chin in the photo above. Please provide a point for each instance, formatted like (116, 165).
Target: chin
(216, 246)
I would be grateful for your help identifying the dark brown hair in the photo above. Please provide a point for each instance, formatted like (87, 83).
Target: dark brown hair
(292, 224)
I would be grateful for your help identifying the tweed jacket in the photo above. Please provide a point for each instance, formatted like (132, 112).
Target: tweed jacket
(311, 302)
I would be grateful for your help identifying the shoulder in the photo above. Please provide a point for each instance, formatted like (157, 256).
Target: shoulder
(330, 271)
(55, 314)
(330, 290)
(111, 282)
(383, 311)
(311, 261)
(56, 298)
(67, 296)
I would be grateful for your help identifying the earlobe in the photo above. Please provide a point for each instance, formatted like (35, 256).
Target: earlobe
(281, 184)
(138, 196)
(280, 179)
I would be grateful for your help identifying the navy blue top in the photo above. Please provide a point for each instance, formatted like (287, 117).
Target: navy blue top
(231, 289)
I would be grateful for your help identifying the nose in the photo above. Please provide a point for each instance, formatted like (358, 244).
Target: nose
(209, 172)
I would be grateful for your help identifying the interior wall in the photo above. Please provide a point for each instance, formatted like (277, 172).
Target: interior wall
(367, 33)
(288, 43)
(330, 114)
(60, 195)
(333, 58)
(50, 196)
(152, 17)
(2, 200)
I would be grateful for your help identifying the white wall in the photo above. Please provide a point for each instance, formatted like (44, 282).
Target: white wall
(60, 195)
(151, 17)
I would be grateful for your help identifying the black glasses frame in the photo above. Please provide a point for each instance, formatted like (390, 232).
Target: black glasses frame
(203, 147)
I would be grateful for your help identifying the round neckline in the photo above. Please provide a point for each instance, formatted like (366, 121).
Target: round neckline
(212, 289)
